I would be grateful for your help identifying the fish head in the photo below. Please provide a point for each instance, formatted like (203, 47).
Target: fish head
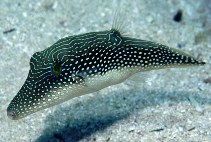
(49, 79)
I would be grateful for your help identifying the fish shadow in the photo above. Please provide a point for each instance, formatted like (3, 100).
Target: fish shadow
(85, 116)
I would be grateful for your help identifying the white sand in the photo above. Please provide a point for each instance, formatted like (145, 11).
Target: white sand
(164, 105)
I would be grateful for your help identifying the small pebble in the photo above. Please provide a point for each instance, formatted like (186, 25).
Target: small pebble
(178, 16)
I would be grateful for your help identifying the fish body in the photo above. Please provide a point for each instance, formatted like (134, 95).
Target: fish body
(82, 64)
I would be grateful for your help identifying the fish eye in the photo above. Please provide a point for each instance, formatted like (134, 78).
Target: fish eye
(56, 69)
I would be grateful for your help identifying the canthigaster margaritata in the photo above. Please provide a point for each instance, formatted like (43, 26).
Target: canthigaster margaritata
(82, 64)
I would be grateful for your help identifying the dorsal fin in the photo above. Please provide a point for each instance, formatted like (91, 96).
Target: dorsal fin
(119, 21)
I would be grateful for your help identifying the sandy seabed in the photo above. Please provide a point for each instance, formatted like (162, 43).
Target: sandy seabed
(168, 105)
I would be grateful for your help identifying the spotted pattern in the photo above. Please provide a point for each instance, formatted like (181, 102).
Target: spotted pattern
(82, 64)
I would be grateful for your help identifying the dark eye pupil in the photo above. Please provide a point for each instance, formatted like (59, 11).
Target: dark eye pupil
(56, 69)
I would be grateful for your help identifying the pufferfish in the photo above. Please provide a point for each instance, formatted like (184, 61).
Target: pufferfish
(81, 64)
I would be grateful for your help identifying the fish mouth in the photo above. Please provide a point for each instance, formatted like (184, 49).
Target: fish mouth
(11, 114)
